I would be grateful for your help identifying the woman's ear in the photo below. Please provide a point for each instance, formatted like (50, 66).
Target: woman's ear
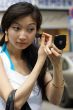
(6, 36)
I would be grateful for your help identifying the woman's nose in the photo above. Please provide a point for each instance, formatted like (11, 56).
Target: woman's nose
(23, 35)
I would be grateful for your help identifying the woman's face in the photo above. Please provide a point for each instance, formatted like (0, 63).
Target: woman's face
(22, 32)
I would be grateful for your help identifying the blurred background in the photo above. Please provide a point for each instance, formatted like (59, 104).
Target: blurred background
(57, 19)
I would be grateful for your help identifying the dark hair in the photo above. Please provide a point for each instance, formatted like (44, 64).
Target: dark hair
(29, 54)
(18, 10)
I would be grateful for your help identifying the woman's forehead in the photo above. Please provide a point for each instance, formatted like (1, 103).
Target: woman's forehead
(25, 21)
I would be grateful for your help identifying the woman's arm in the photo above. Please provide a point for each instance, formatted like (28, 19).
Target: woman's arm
(5, 86)
(55, 85)
(24, 91)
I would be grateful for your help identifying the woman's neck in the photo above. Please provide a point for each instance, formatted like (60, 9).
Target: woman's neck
(13, 51)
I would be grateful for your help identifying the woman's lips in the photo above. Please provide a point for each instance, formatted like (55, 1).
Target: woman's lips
(21, 42)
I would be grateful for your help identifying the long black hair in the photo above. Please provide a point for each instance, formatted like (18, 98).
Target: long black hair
(30, 53)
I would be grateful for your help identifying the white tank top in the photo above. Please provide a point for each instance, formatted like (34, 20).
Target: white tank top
(16, 79)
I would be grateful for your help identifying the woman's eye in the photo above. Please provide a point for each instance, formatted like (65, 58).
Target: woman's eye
(30, 30)
(16, 28)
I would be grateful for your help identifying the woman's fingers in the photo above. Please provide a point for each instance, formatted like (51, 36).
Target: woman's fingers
(53, 50)
(49, 47)
(48, 39)
(56, 53)
(47, 50)
(43, 40)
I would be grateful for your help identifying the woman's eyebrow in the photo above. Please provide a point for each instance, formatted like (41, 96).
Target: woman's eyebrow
(32, 25)
(15, 23)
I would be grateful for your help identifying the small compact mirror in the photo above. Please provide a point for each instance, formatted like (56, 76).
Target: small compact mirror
(60, 41)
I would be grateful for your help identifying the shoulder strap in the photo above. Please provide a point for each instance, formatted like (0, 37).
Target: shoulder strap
(4, 49)
(10, 101)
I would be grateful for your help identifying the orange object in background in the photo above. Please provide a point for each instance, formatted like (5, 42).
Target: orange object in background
(65, 31)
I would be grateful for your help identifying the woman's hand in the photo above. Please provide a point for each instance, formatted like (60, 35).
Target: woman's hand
(45, 37)
(47, 48)
(54, 54)
(52, 51)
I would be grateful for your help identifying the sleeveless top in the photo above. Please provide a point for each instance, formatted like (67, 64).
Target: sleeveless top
(16, 79)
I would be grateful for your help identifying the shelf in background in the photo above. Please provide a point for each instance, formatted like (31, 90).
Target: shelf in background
(55, 8)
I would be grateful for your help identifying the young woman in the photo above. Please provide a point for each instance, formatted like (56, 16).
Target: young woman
(22, 65)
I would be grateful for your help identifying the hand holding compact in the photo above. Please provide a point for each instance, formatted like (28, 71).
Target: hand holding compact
(53, 46)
